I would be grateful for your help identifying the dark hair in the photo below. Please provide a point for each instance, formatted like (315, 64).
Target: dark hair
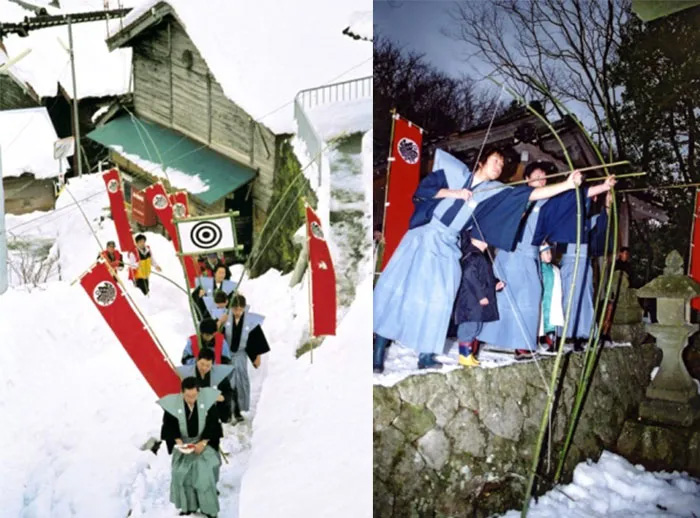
(208, 326)
(206, 353)
(488, 152)
(220, 265)
(111, 243)
(189, 383)
(624, 249)
(139, 237)
(238, 301)
(220, 296)
(542, 165)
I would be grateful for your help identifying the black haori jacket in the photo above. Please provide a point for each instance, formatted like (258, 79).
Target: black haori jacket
(478, 282)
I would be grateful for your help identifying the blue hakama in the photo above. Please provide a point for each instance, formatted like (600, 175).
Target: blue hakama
(519, 303)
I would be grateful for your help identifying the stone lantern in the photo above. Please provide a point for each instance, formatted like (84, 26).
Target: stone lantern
(672, 396)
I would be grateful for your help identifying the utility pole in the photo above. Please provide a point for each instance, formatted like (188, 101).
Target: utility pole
(76, 121)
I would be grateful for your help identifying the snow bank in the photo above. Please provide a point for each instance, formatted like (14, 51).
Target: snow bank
(81, 410)
(330, 120)
(614, 488)
(27, 137)
(304, 38)
(312, 449)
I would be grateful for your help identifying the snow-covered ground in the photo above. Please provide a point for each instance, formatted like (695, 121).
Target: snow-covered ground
(402, 362)
(614, 488)
(80, 409)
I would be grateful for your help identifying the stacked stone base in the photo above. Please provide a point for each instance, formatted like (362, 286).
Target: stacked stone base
(461, 443)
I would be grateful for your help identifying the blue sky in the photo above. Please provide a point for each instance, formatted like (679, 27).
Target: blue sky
(416, 25)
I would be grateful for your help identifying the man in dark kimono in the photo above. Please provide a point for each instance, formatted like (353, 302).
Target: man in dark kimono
(191, 430)
(247, 341)
(208, 374)
(210, 339)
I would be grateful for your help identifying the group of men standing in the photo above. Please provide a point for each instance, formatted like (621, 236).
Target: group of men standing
(215, 385)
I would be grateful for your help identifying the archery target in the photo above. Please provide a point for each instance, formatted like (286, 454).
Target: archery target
(205, 234)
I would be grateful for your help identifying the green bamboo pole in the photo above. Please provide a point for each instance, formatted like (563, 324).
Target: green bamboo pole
(591, 349)
(557, 362)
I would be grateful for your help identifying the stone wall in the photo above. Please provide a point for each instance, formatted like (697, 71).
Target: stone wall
(461, 443)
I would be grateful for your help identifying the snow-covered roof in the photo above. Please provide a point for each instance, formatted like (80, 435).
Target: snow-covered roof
(27, 137)
(99, 72)
(361, 26)
(264, 52)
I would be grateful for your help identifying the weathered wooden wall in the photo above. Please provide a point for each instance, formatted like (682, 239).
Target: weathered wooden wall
(12, 96)
(174, 87)
(25, 194)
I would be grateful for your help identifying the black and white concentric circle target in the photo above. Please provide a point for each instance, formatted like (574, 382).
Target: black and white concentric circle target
(113, 186)
(160, 201)
(205, 234)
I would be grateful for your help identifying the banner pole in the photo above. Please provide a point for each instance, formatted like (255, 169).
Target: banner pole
(181, 260)
(394, 115)
(311, 275)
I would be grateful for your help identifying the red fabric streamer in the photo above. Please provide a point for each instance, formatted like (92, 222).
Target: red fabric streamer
(695, 249)
(181, 209)
(402, 181)
(323, 293)
(104, 291)
(159, 199)
(116, 202)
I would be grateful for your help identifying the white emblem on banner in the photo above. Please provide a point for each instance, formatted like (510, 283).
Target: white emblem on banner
(317, 231)
(179, 210)
(105, 293)
(160, 201)
(113, 186)
(408, 150)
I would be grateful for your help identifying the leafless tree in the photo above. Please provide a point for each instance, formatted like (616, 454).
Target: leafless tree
(550, 48)
(32, 262)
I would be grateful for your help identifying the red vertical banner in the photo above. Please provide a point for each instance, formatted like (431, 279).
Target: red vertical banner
(403, 176)
(110, 300)
(181, 209)
(113, 183)
(694, 267)
(322, 285)
(159, 199)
